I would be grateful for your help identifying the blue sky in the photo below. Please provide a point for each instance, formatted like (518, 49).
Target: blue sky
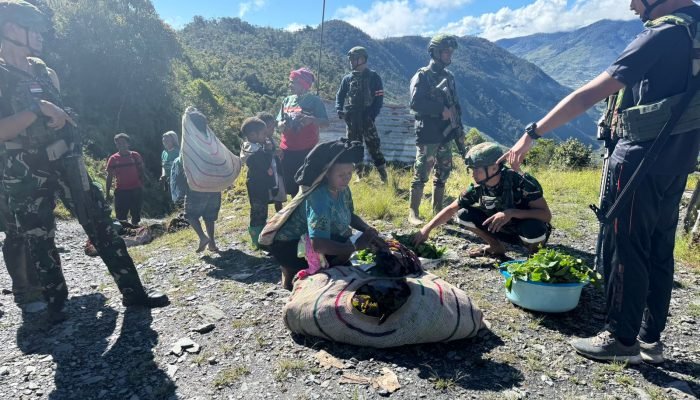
(492, 19)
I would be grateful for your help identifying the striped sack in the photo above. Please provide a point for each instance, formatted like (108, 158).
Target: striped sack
(208, 164)
(321, 305)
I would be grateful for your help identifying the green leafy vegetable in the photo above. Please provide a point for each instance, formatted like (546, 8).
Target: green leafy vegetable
(425, 250)
(365, 256)
(552, 266)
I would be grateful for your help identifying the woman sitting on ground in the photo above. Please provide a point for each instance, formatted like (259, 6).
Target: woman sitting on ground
(319, 222)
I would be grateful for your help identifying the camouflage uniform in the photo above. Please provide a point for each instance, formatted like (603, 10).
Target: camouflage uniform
(428, 103)
(26, 286)
(364, 93)
(39, 164)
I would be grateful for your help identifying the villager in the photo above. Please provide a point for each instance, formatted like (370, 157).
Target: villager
(641, 193)
(271, 145)
(42, 158)
(438, 122)
(314, 229)
(171, 151)
(208, 168)
(300, 118)
(363, 90)
(261, 181)
(127, 167)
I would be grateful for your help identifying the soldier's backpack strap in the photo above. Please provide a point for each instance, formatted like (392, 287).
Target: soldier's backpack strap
(639, 123)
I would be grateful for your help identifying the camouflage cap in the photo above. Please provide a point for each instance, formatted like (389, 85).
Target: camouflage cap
(483, 155)
(442, 41)
(358, 51)
(23, 14)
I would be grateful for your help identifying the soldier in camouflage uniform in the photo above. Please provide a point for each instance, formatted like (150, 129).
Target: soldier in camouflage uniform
(365, 96)
(501, 205)
(43, 158)
(430, 105)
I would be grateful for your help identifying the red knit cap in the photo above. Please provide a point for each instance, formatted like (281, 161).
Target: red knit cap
(306, 77)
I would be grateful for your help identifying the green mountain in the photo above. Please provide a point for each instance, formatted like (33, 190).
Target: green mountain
(499, 92)
(573, 58)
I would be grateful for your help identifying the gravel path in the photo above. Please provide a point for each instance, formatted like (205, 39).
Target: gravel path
(106, 352)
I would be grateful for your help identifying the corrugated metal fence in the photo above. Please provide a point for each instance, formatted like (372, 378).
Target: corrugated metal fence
(395, 127)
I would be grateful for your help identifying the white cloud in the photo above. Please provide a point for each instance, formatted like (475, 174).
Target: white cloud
(387, 18)
(293, 27)
(442, 3)
(245, 7)
(539, 17)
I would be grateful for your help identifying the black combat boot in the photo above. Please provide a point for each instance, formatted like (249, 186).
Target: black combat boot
(153, 299)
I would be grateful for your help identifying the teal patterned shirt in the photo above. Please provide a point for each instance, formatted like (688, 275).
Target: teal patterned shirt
(321, 216)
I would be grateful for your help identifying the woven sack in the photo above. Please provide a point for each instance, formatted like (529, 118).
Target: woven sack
(436, 311)
(209, 166)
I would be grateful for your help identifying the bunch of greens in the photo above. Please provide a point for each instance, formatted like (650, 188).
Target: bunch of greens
(365, 256)
(425, 250)
(552, 266)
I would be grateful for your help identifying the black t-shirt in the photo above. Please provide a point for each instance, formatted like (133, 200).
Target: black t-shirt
(654, 66)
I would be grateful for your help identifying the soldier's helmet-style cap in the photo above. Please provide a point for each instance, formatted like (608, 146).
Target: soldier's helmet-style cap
(483, 155)
(23, 14)
(441, 42)
(357, 51)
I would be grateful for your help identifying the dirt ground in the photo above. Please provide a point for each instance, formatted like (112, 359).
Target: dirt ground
(106, 352)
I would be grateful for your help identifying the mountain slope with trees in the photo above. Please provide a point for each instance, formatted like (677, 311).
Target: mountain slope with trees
(574, 58)
(499, 92)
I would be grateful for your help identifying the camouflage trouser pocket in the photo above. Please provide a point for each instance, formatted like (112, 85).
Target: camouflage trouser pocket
(436, 157)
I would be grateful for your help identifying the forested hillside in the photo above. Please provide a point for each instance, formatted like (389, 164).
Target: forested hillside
(500, 93)
(573, 58)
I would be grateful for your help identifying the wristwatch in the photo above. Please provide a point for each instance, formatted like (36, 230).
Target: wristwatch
(531, 130)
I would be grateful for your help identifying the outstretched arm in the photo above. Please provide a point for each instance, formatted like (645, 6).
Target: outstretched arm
(569, 108)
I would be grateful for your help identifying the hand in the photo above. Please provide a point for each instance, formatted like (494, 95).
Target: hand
(57, 117)
(341, 114)
(420, 236)
(498, 220)
(446, 114)
(369, 239)
(282, 124)
(516, 154)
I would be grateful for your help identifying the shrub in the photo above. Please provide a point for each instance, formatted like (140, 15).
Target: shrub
(572, 154)
(541, 154)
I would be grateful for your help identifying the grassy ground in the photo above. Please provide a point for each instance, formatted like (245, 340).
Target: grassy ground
(568, 193)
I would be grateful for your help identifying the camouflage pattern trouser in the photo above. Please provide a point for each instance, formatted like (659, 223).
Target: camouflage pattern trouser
(26, 286)
(363, 128)
(30, 182)
(258, 213)
(436, 157)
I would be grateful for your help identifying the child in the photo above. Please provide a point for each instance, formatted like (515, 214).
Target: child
(262, 178)
(270, 145)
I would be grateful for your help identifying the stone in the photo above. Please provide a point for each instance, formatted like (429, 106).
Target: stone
(210, 312)
(204, 328)
(641, 394)
(4, 371)
(327, 361)
(172, 370)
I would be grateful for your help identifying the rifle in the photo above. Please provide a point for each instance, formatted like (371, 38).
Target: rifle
(68, 149)
(453, 131)
(607, 135)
